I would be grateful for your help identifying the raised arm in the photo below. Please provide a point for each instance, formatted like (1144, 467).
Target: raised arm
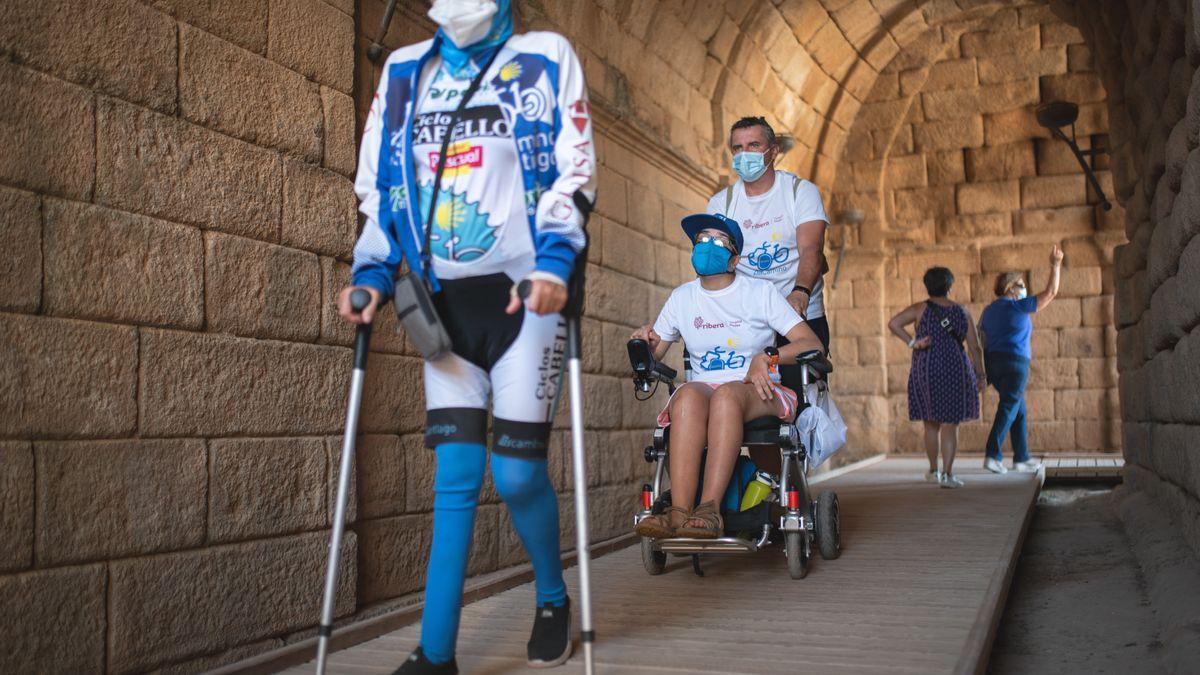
(1045, 297)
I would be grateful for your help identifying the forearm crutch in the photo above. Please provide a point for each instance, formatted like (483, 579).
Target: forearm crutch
(571, 314)
(359, 299)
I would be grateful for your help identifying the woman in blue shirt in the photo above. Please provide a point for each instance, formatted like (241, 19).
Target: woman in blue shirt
(1006, 326)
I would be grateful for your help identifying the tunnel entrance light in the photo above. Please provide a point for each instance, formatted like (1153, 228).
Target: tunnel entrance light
(1054, 116)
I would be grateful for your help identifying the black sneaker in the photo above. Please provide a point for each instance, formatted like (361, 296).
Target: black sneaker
(417, 664)
(550, 642)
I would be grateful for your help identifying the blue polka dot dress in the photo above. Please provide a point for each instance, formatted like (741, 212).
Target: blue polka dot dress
(941, 384)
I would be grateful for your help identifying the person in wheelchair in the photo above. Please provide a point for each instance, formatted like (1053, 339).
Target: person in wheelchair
(728, 323)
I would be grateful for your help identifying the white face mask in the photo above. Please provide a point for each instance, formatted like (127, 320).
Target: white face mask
(465, 22)
(1022, 293)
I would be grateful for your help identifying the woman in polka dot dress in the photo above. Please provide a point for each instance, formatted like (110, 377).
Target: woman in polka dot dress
(943, 385)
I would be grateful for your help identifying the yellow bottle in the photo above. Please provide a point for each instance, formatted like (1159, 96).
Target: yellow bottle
(757, 490)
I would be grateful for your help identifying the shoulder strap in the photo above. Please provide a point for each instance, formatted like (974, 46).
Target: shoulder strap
(728, 198)
(441, 165)
(796, 186)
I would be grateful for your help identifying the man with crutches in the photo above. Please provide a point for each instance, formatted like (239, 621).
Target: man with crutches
(477, 169)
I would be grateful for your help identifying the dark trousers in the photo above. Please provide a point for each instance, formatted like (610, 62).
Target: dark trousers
(1008, 373)
(789, 376)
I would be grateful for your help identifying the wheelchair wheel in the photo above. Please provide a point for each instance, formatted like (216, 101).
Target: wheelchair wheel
(654, 561)
(829, 525)
(797, 554)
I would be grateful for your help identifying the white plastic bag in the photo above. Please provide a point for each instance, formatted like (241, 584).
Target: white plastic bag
(821, 425)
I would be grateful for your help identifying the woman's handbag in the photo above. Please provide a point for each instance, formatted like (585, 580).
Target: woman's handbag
(412, 299)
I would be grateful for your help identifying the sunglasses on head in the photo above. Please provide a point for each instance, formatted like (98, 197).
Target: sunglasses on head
(704, 238)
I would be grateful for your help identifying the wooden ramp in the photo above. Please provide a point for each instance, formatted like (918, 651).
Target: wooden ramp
(919, 588)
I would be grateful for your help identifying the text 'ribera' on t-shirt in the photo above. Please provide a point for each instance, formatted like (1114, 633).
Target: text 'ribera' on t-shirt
(723, 330)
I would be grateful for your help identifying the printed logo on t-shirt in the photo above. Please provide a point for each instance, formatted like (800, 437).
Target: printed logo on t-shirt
(768, 256)
(460, 231)
(748, 224)
(701, 324)
(718, 359)
(461, 157)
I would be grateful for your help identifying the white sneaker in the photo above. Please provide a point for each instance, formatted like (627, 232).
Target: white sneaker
(951, 481)
(995, 466)
(933, 476)
(1028, 466)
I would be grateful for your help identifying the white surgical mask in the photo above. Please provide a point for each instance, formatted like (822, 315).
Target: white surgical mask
(465, 22)
(1022, 293)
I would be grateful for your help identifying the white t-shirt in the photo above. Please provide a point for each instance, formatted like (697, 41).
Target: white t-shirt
(723, 330)
(481, 225)
(768, 224)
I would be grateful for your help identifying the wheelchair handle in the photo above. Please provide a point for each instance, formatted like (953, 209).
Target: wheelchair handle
(645, 368)
(816, 360)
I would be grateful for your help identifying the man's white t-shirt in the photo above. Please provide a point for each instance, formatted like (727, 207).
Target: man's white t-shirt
(768, 224)
(723, 330)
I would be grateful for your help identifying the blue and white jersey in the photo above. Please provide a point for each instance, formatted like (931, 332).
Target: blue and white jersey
(723, 330)
(521, 151)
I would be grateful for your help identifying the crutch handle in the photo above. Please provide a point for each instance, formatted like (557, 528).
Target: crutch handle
(359, 299)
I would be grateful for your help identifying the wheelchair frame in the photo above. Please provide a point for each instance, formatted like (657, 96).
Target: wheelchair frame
(799, 521)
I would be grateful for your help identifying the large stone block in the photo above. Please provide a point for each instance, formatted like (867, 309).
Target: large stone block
(1039, 192)
(393, 395)
(990, 197)
(1097, 311)
(393, 553)
(261, 290)
(1051, 436)
(16, 505)
(1022, 65)
(629, 252)
(1019, 124)
(1053, 374)
(341, 148)
(21, 238)
(989, 43)
(381, 473)
(242, 22)
(1091, 404)
(940, 76)
(1073, 282)
(1055, 157)
(646, 212)
(122, 48)
(170, 607)
(912, 264)
(1075, 87)
(261, 487)
(973, 227)
(1056, 222)
(945, 168)
(313, 39)
(612, 296)
(1000, 162)
(112, 499)
(965, 132)
(984, 99)
(167, 168)
(117, 266)
(49, 139)
(319, 210)
(245, 95)
(66, 378)
(55, 619)
(1013, 257)
(216, 385)
(1062, 313)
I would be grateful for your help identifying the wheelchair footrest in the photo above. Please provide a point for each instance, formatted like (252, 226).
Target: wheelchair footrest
(708, 546)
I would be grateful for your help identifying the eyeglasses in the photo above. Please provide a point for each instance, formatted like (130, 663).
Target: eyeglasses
(719, 241)
(1019, 284)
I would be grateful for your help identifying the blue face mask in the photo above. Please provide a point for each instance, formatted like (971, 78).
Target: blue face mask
(709, 258)
(749, 165)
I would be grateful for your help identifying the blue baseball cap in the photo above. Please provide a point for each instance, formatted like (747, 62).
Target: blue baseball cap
(695, 223)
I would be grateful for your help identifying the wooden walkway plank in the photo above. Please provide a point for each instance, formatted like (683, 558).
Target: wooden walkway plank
(918, 589)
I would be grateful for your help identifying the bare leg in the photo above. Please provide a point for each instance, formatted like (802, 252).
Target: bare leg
(931, 444)
(949, 446)
(689, 428)
(732, 405)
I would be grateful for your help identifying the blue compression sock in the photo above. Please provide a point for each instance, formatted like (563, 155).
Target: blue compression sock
(525, 487)
(456, 487)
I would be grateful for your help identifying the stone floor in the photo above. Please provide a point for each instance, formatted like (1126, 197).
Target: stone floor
(1078, 602)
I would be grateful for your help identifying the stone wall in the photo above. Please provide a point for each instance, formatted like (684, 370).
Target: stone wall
(950, 167)
(1149, 53)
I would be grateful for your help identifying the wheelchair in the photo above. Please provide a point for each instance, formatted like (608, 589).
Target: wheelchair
(789, 515)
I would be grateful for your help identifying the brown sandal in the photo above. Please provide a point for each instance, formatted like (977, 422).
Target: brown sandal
(704, 523)
(663, 525)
